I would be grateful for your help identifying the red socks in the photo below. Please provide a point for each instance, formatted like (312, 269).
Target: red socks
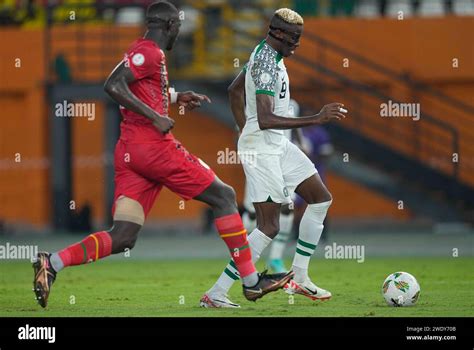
(95, 246)
(232, 231)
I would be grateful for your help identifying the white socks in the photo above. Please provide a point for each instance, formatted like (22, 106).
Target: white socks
(311, 227)
(258, 241)
(56, 262)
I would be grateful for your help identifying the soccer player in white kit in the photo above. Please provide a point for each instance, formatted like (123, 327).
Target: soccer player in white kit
(274, 167)
(249, 218)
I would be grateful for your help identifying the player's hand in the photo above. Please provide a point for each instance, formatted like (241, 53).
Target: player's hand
(164, 124)
(330, 113)
(191, 100)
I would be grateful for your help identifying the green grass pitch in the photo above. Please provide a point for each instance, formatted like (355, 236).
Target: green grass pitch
(124, 287)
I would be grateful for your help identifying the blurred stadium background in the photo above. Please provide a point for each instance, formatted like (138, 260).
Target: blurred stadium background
(401, 187)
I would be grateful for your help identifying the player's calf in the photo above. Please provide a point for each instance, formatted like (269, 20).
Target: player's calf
(92, 248)
(128, 219)
(124, 236)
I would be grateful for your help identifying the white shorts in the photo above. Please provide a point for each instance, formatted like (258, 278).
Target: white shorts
(274, 177)
(248, 204)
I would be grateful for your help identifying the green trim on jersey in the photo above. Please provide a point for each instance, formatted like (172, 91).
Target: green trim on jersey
(278, 57)
(265, 92)
(260, 46)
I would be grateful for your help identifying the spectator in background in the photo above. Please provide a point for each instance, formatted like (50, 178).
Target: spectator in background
(35, 14)
(62, 69)
(27, 13)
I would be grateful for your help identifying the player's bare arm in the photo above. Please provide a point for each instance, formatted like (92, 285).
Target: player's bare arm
(268, 120)
(236, 92)
(117, 88)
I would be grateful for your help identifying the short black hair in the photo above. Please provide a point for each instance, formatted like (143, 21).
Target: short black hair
(161, 11)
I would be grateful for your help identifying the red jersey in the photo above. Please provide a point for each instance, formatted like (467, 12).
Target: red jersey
(148, 65)
(145, 159)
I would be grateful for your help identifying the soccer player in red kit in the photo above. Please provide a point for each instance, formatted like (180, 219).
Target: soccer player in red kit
(148, 157)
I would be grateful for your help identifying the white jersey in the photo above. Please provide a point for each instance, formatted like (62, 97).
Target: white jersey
(274, 167)
(293, 112)
(265, 73)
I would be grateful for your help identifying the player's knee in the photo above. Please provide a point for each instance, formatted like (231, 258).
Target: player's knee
(128, 210)
(321, 198)
(227, 196)
(123, 242)
(270, 229)
(228, 192)
(124, 235)
(327, 197)
(129, 242)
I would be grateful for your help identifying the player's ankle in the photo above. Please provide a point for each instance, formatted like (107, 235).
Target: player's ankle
(250, 280)
(56, 262)
(216, 289)
(301, 274)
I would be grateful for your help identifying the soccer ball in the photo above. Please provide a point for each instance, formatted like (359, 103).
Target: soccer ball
(400, 289)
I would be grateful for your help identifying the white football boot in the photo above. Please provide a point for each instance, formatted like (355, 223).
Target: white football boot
(211, 300)
(308, 289)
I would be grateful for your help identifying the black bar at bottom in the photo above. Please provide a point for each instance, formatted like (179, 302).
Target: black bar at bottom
(450, 333)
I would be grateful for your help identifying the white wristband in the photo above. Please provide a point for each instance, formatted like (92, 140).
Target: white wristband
(173, 95)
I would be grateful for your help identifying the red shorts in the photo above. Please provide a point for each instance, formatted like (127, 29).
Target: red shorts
(142, 169)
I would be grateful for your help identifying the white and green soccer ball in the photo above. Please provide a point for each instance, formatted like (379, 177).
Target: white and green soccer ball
(401, 289)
